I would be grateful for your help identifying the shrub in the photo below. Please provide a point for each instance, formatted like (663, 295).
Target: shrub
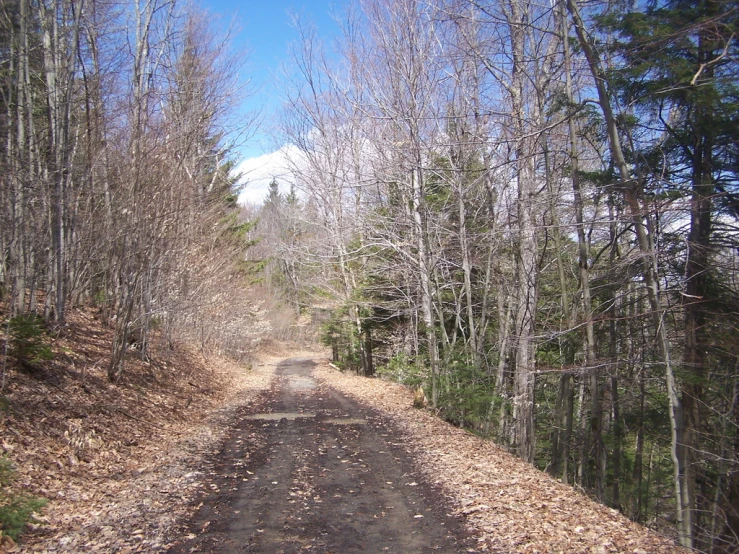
(29, 340)
(402, 368)
(15, 510)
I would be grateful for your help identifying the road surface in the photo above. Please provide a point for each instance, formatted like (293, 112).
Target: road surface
(306, 469)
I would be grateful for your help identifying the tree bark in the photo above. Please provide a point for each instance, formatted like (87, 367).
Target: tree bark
(523, 400)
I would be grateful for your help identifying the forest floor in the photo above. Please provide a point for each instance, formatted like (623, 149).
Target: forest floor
(170, 459)
(507, 504)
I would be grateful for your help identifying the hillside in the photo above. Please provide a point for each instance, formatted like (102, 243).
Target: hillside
(117, 463)
(508, 504)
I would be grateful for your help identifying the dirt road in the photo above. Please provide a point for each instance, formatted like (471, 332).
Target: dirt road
(306, 469)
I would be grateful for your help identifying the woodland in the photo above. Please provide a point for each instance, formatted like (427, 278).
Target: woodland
(526, 210)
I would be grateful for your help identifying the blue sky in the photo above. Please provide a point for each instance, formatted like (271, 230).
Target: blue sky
(264, 29)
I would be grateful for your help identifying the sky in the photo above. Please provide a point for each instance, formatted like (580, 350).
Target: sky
(264, 29)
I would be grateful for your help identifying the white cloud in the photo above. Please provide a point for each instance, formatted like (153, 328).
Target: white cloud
(257, 173)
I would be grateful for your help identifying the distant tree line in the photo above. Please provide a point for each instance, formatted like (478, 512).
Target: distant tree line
(116, 126)
(530, 209)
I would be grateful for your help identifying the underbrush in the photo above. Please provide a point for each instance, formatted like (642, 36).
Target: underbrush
(16, 510)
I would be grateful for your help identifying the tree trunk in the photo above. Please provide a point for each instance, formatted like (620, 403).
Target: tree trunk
(425, 270)
(562, 429)
(583, 249)
(683, 499)
(696, 281)
(523, 382)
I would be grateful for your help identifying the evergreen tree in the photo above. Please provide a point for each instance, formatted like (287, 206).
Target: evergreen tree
(680, 73)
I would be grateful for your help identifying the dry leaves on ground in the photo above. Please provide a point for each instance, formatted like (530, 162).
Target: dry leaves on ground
(120, 464)
(510, 505)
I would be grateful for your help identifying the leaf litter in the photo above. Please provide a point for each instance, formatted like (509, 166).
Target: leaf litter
(507, 503)
(119, 464)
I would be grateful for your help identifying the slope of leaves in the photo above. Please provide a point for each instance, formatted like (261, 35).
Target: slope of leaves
(509, 504)
(117, 463)
(121, 465)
